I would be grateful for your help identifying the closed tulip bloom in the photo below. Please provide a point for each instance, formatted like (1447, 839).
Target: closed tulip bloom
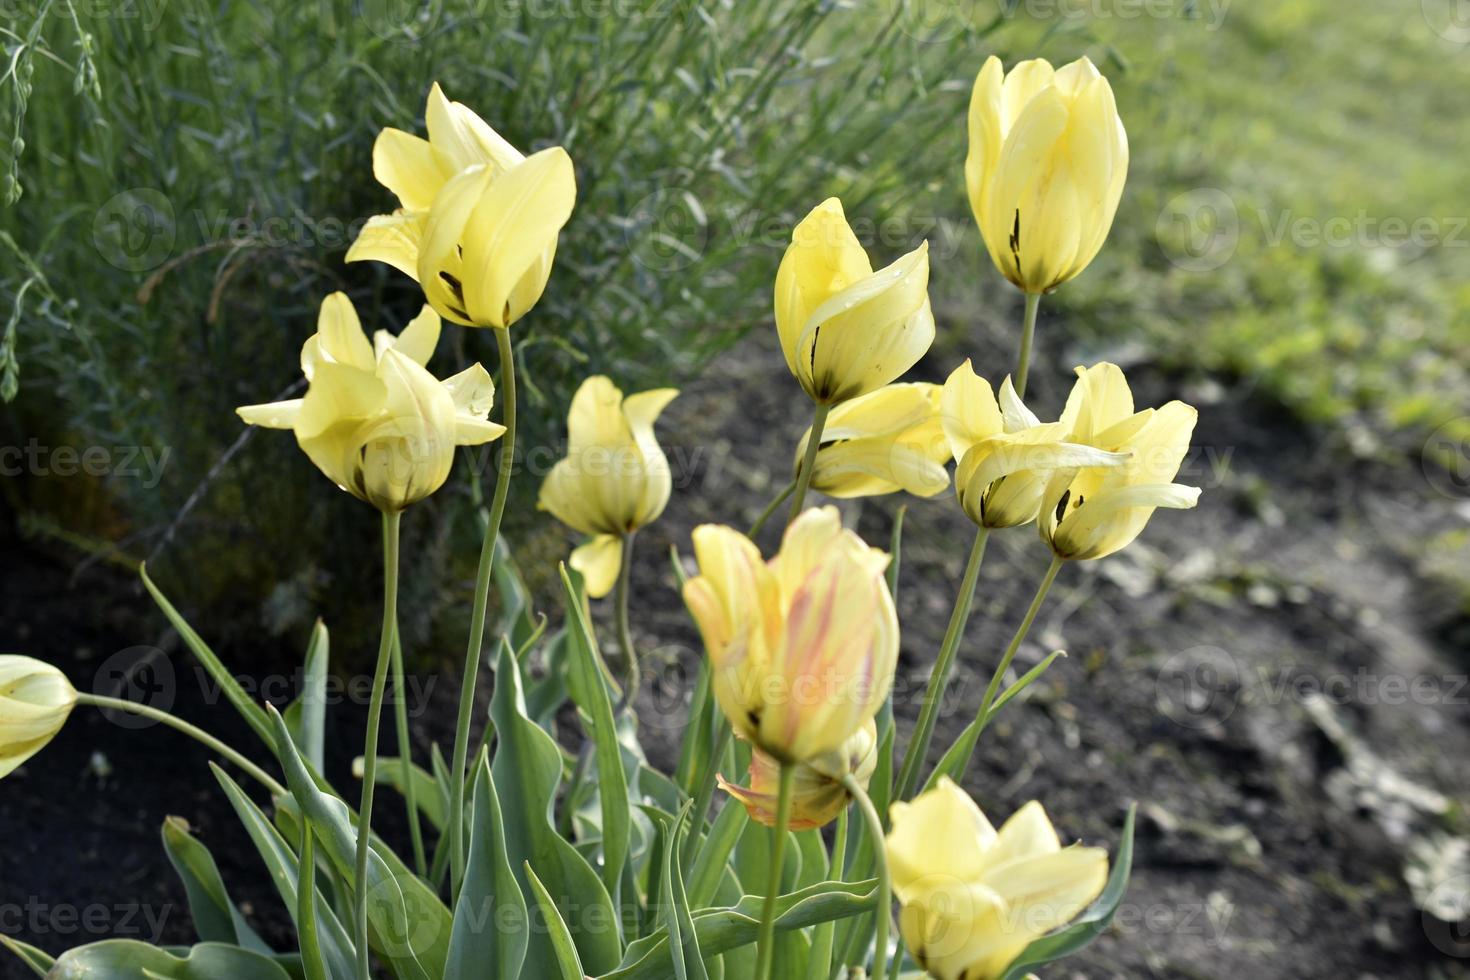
(615, 478)
(1092, 513)
(887, 440)
(845, 329)
(478, 222)
(802, 648)
(1047, 163)
(817, 793)
(35, 701)
(973, 898)
(373, 419)
(1006, 454)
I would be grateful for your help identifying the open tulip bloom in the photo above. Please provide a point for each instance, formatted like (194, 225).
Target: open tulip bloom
(818, 794)
(883, 442)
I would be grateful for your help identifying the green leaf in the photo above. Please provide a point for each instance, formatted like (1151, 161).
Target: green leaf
(1090, 924)
(216, 920)
(306, 717)
(556, 927)
(491, 921)
(37, 960)
(895, 551)
(127, 958)
(677, 920)
(313, 962)
(427, 792)
(517, 619)
(714, 854)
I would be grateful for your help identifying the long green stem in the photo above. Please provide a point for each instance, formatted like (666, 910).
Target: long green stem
(993, 688)
(405, 757)
(477, 612)
(809, 462)
(765, 951)
(771, 508)
(1028, 330)
(913, 759)
(391, 523)
(198, 734)
(885, 884)
(632, 676)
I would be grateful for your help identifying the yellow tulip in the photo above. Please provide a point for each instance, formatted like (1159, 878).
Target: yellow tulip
(478, 222)
(1006, 454)
(973, 898)
(1091, 513)
(35, 701)
(1047, 162)
(615, 478)
(885, 441)
(817, 793)
(802, 648)
(373, 419)
(845, 329)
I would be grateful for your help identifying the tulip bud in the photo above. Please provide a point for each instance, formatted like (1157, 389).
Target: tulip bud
(615, 478)
(845, 329)
(35, 701)
(803, 647)
(817, 793)
(1047, 162)
(885, 441)
(479, 222)
(972, 898)
(373, 419)
(1006, 454)
(1092, 513)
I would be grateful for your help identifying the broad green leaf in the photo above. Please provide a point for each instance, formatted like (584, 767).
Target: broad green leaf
(556, 927)
(1090, 924)
(427, 795)
(306, 717)
(677, 921)
(491, 921)
(813, 851)
(216, 920)
(37, 960)
(714, 854)
(127, 958)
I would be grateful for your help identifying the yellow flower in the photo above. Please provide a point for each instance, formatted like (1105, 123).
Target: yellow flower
(478, 222)
(615, 478)
(845, 329)
(803, 647)
(973, 898)
(1047, 162)
(1091, 513)
(817, 794)
(1006, 454)
(373, 419)
(35, 701)
(885, 441)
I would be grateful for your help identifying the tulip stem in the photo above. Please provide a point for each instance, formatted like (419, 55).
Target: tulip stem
(631, 674)
(993, 688)
(771, 508)
(405, 753)
(765, 951)
(809, 463)
(913, 759)
(1028, 330)
(880, 862)
(455, 816)
(178, 724)
(391, 522)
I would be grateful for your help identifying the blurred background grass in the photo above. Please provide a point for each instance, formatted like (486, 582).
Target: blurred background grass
(183, 176)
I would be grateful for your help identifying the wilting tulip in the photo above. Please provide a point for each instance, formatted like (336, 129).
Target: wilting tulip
(972, 898)
(1091, 513)
(1047, 162)
(817, 793)
(373, 419)
(478, 222)
(35, 701)
(845, 329)
(887, 440)
(1006, 454)
(803, 647)
(615, 478)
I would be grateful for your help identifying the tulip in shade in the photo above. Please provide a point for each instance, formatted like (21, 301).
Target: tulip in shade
(803, 647)
(615, 478)
(1092, 513)
(478, 222)
(817, 794)
(1047, 163)
(973, 898)
(35, 701)
(883, 442)
(373, 419)
(845, 329)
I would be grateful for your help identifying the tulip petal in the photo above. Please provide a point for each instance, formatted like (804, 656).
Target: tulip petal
(464, 138)
(986, 135)
(340, 335)
(274, 415)
(1099, 398)
(824, 257)
(440, 259)
(420, 337)
(941, 829)
(410, 167)
(1024, 159)
(599, 560)
(968, 410)
(393, 239)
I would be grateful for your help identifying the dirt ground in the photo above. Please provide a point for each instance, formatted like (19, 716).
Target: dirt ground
(1277, 678)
